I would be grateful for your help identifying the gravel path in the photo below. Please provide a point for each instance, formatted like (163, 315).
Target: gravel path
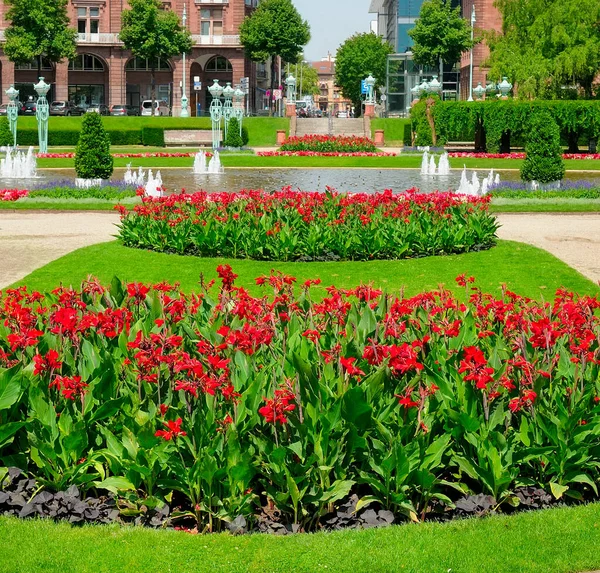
(29, 240)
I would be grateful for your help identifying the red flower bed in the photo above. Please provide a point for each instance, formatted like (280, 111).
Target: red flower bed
(329, 143)
(134, 155)
(519, 155)
(229, 402)
(295, 225)
(12, 194)
(323, 154)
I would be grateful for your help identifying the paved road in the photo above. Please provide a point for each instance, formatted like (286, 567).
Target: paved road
(29, 240)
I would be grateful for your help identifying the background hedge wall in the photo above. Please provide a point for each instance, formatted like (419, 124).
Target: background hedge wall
(496, 125)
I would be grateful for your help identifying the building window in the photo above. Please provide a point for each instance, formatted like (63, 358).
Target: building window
(86, 95)
(218, 64)
(144, 65)
(211, 21)
(88, 20)
(33, 65)
(86, 63)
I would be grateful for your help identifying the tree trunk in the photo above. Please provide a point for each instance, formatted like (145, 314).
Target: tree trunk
(152, 91)
(573, 139)
(272, 99)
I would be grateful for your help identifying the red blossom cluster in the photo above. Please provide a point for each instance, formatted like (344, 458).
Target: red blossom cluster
(329, 143)
(133, 155)
(516, 155)
(325, 154)
(12, 194)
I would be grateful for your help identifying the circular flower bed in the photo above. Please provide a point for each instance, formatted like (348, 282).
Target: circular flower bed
(230, 407)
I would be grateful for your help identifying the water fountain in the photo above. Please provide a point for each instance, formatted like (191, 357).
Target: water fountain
(202, 168)
(428, 166)
(19, 165)
(134, 178)
(153, 186)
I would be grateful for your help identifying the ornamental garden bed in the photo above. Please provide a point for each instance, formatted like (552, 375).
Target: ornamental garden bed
(329, 144)
(282, 414)
(301, 226)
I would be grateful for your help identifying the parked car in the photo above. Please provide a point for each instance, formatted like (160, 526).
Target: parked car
(4, 107)
(98, 108)
(65, 108)
(122, 109)
(29, 108)
(160, 107)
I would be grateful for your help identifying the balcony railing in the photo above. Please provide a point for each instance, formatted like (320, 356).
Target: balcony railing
(211, 1)
(98, 39)
(199, 40)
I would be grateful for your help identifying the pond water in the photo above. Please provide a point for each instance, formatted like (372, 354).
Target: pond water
(350, 180)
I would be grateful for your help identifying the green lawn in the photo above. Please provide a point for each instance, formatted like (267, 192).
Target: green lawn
(395, 131)
(402, 161)
(524, 269)
(563, 540)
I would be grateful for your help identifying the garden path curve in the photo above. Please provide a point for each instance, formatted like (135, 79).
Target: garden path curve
(29, 240)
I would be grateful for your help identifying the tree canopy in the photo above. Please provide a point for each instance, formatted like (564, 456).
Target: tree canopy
(275, 28)
(440, 33)
(359, 56)
(39, 28)
(150, 32)
(548, 49)
(307, 78)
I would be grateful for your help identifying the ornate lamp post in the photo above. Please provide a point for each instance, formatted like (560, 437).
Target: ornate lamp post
(471, 64)
(504, 87)
(185, 112)
(228, 93)
(415, 91)
(434, 86)
(290, 106)
(216, 112)
(41, 113)
(12, 111)
(424, 86)
(370, 97)
(238, 106)
(479, 91)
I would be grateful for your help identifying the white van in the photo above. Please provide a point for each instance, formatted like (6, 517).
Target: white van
(160, 107)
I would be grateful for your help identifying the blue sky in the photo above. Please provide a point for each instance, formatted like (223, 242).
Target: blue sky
(331, 22)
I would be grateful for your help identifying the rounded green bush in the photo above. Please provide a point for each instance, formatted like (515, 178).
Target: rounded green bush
(92, 154)
(543, 162)
(234, 139)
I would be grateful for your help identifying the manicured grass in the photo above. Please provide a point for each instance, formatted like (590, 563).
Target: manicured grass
(563, 540)
(402, 161)
(524, 269)
(262, 131)
(394, 130)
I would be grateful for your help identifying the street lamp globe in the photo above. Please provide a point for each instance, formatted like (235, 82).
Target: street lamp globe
(370, 85)
(12, 111)
(290, 82)
(228, 92)
(479, 91)
(216, 90)
(504, 87)
(424, 86)
(42, 112)
(434, 87)
(415, 91)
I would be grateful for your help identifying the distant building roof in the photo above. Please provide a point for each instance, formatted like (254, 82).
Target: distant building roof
(325, 67)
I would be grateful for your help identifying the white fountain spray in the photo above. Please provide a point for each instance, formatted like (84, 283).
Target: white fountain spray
(153, 186)
(428, 166)
(202, 167)
(19, 165)
(425, 164)
(134, 178)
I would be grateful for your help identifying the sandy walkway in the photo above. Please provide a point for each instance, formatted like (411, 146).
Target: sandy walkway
(29, 240)
(574, 238)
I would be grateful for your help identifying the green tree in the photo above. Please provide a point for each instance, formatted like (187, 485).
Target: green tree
(274, 29)
(234, 139)
(151, 32)
(547, 47)
(39, 28)
(359, 56)
(307, 78)
(92, 154)
(543, 161)
(440, 35)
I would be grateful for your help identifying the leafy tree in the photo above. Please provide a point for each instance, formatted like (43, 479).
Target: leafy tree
(307, 78)
(440, 35)
(543, 162)
(359, 56)
(151, 32)
(274, 29)
(39, 28)
(546, 47)
(92, 154)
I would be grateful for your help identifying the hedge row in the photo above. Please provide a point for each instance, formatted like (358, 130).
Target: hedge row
(494, 125)
(151, 136)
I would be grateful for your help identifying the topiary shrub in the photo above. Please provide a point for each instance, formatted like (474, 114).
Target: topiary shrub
(153, 136)
(543, 162)
(233, 139)
(6, 136)
(245, 136)
(92, 154)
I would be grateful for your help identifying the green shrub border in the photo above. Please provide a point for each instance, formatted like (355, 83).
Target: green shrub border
(494, 124)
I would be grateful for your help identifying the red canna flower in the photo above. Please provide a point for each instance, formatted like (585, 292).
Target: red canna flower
(174, 430)
(349, 368)
(475, 365)
(275, 409)
(46, 363)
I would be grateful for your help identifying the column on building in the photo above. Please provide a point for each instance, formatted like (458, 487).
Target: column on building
(8, 76)
(177, 64)
(116, 77)
(61, 81)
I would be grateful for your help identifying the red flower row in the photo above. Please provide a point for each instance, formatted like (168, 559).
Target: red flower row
(134, 155)
(12, 194)
(518, 155)
(324, 154)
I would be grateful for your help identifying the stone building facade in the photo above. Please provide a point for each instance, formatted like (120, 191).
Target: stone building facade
(104, 72)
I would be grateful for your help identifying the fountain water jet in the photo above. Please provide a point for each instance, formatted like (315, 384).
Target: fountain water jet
(425, 164)
(133, 178)
(19, 165)
(202, 168)
(428, 166)
(153, 186)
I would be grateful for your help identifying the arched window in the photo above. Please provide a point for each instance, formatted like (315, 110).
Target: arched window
(218, 64)
(144, 65)
(86, 63)
(33, 65)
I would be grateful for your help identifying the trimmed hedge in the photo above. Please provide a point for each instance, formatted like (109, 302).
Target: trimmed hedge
(69, 137)
(153, 136)
(495, 124)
